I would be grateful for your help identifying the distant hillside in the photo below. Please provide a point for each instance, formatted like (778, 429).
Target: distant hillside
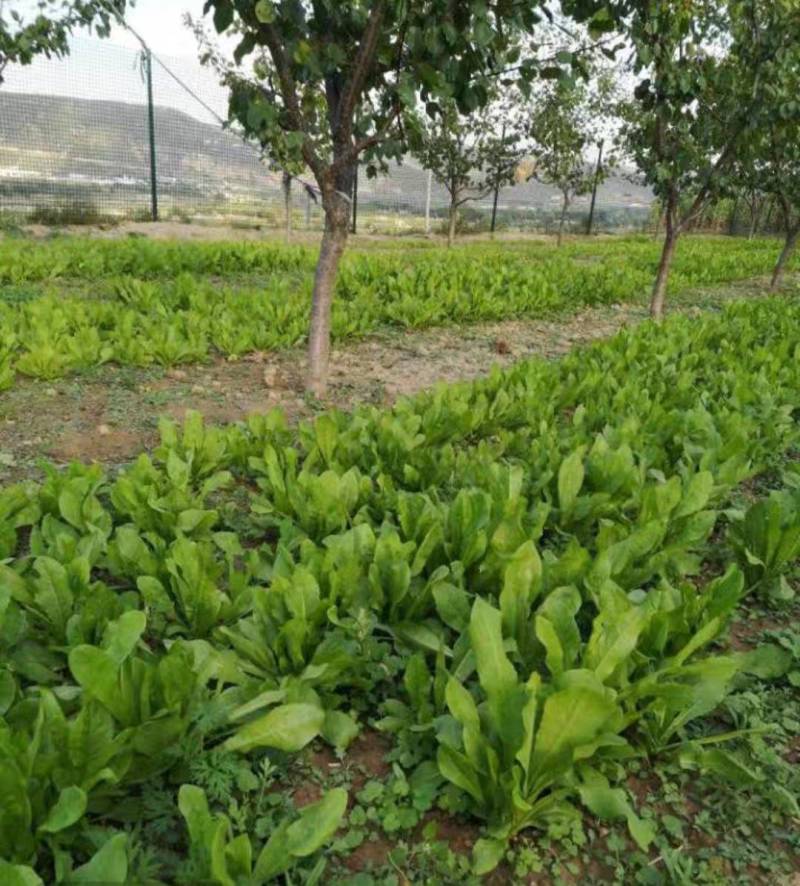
(55, 150)
(63, 144)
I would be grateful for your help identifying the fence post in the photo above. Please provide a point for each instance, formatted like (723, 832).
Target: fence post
(355, 201)
(428, 204)
(497, 190)
(590, 223)
(151, 123)
(494, 207)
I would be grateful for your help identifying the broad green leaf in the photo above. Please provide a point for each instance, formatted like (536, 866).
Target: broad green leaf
(557, 629)
(289, 727)
(611, 804)
(417, 680)
(696, 496)
(325, 428)
(722, 763)
(521, 586)
(461, 704)
(123, 634)
(16, 814)
(554, 652)
(486, 855)
(239, 858)
(303, 837)
(495, 671)
(767, 662)
(571, 718)
(8, 690)
(18, 875)
(109, 865)
(570, 480)
(316, 824)
(339, 729)
(68, 809)
(613, 640)
(452, 606)
(98, 674)
(455, 767)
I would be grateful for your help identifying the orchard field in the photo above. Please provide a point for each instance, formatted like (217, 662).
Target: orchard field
(515, 604)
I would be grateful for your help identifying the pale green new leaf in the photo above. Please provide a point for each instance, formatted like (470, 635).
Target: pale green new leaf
(109, 865)
(68, 809)
(289, 727)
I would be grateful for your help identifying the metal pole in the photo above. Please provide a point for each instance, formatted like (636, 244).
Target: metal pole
(428, 204)
(494, 207)
(598, 170)
(355, 201)
(497, 189)
(151, 122)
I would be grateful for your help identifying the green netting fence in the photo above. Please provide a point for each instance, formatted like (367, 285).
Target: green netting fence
(75, 144)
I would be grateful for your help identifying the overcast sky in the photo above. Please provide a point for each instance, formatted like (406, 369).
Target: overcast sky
(160, 22)
(108, 69)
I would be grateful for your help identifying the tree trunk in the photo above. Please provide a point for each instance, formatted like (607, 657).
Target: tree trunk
(595, 185)
(660, 287)
(287, 205)
(336, 203)
(732, 219)
(659, 295)
(451, 227)
(789, 247)
(756, 208)
(564, 207)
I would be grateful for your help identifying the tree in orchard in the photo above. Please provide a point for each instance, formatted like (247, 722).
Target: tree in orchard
(245, 89)
(24, 36)
(341, 76)
(710, 71)
(772, 162)
(470, 155)
(566, 118)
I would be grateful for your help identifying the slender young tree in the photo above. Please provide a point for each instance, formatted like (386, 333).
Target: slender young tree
(26, 33)
(244, 91)
(565, 120)
(369, 61)
(773, 165)
(470, 155)
(709, 72)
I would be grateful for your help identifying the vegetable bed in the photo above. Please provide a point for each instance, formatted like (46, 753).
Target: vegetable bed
(521, 582)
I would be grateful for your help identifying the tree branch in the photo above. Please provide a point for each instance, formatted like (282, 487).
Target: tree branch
(368, 141)
(290, 97)
(361, 68)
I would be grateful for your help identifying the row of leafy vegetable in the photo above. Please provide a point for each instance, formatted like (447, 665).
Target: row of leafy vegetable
(508, 570)
(185, 319)
(26, 261)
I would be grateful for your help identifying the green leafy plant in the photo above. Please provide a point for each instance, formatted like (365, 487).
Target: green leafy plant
(220, 858)
(514, 753)
(767, 542)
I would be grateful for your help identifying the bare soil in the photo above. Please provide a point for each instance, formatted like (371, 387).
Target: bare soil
(111, 414)
(249, 228)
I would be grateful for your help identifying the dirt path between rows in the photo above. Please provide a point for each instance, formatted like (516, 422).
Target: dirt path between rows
(111, 414)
